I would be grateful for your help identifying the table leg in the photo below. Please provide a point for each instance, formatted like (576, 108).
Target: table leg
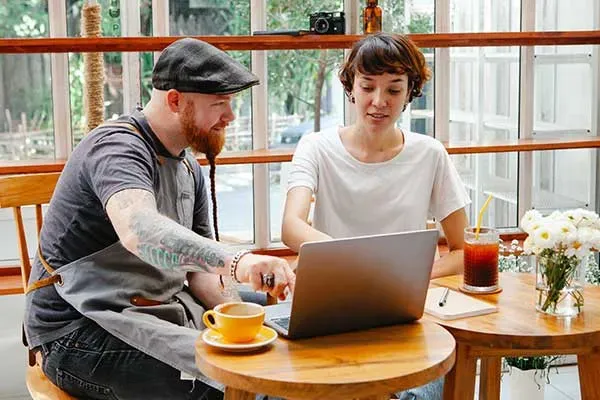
(238, 394)
(489, 378)
(460, 381)
(589, 375)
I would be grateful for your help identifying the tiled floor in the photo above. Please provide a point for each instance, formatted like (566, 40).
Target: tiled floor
(564, 381)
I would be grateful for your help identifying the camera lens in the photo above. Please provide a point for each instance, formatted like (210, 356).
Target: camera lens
(321, 25)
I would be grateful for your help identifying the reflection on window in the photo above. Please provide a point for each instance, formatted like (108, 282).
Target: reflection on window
(26, 123)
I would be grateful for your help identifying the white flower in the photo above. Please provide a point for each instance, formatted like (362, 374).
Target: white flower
(577, 249)
(528, 247)
(545, 236)
(556, 216)
(574, 216)
(530, 220)
(588, 218)
(566, 232)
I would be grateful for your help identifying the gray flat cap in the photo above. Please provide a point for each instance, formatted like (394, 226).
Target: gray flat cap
(191, 65)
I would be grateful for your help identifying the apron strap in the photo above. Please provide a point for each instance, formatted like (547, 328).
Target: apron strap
(52, 279)
(56, 278)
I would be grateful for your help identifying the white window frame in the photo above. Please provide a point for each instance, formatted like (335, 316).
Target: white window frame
(130, 19)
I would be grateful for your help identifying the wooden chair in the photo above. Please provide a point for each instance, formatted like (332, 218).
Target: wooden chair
(31, 190)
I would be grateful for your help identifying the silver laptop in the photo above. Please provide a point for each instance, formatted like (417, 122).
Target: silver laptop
(357, 283)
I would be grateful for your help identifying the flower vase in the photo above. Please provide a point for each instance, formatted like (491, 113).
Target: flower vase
(526, 384)
(559, 283)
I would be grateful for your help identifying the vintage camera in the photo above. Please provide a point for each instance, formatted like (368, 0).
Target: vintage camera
(327, 23)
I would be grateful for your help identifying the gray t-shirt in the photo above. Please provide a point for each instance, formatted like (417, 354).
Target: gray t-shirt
(108, 160)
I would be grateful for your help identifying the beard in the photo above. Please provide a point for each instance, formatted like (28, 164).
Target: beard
(209, 142)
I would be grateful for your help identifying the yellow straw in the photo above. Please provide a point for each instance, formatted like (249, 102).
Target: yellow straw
(480, 216)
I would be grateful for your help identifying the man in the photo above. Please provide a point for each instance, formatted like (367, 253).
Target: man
(107, 308)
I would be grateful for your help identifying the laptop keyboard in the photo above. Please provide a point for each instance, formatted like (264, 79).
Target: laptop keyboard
(283, 322)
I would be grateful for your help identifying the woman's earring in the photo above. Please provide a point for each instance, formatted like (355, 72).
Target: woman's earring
(352, 99)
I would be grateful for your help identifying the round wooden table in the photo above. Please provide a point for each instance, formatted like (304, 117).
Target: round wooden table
(368, 364)
(517, 329)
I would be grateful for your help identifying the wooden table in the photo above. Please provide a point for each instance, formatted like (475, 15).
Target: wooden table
(517, 329)
(368, 364)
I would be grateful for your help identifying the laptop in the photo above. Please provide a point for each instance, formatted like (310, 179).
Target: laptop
(357, 283)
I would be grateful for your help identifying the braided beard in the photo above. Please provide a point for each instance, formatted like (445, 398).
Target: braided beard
(209, 142)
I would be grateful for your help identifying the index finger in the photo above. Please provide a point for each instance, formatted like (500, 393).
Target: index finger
(291, 278)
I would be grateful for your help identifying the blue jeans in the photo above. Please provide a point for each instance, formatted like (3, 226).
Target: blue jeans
(433, 390)
(90, 363)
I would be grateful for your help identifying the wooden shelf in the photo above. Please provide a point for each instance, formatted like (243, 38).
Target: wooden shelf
(282, 42)
(285, 155)
(506, 146)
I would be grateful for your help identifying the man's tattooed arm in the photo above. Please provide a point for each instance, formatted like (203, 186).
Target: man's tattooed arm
(160, 241)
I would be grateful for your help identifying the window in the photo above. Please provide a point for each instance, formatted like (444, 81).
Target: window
(484, 96)
(26, 107)
(564, 100)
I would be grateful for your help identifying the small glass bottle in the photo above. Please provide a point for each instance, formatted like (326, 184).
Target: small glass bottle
(372, 17)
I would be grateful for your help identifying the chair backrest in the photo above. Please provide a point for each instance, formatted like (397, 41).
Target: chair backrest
(17, 191)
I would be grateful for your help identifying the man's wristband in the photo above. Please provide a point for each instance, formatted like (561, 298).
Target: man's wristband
(234, 263)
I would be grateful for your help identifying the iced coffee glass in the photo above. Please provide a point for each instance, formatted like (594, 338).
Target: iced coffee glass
(481, 260)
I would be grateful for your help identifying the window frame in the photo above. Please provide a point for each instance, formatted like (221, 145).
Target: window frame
(130, 20)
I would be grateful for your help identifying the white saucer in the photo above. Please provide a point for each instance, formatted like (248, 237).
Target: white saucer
(265, 336)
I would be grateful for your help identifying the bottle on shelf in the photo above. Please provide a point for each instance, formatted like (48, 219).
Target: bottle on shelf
(372, 17)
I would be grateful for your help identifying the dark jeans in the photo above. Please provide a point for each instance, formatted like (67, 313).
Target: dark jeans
(90, 363)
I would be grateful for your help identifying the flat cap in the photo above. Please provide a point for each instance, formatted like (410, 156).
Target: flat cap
(191, 65)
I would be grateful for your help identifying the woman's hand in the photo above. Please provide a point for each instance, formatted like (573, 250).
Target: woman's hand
(267, 274)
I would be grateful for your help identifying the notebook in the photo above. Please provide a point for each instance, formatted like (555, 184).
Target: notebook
(458, 305)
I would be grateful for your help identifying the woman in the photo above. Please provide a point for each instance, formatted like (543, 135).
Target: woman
(372, 177)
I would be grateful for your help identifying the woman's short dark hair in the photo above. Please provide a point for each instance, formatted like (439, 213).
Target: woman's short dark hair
(383, 52)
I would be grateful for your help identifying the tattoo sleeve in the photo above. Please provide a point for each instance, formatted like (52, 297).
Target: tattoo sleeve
(157, 239)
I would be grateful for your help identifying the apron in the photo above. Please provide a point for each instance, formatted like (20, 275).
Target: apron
(104, 285)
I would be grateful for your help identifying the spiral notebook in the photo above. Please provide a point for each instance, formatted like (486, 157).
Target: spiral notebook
(458, 305)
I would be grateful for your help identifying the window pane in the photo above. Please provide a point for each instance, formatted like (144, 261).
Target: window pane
(234, 201)
(564, 15)
(418, 18)
(234, 183)
(564, 105)
(562, 179)
(209, 17)
(113, 67)
(484, 107)
(147, 58)
(26, 115)
(295, 78)
(305, 94)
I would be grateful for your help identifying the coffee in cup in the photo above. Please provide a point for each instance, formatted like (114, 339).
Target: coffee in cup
(238, 322)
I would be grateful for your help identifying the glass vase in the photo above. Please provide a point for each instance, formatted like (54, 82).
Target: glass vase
(559, 283)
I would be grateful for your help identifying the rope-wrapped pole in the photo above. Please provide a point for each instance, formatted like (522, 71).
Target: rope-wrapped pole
(93, 66)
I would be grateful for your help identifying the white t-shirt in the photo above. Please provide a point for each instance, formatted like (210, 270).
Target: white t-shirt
(354, 198)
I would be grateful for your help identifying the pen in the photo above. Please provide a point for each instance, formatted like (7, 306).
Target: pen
(444, 297)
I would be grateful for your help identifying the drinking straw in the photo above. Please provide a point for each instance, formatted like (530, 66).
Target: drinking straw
(480, 216)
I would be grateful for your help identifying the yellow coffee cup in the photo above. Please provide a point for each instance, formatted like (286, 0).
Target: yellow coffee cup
(238, 322)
